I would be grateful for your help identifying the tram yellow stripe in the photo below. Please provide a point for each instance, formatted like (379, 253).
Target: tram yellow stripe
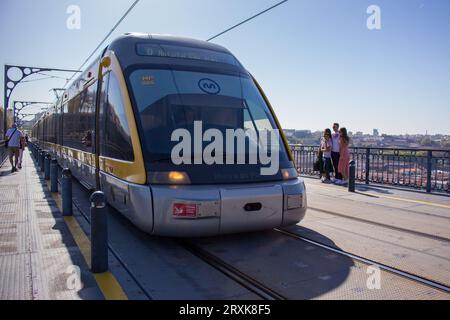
(106, 281)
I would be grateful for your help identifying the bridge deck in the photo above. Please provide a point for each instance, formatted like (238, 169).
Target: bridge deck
(406, 230)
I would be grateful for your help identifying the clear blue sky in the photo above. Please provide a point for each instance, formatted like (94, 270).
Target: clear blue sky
(316, 59)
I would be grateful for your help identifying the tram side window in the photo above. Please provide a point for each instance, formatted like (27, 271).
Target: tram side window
(58, 124)
(50, 128)
(116, 141)
(79, 120)
(46, 129)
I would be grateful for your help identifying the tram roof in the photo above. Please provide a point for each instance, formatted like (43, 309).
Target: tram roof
(125, 47)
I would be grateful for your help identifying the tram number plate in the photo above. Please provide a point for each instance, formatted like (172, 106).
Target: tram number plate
(195, 210)
(184, 210)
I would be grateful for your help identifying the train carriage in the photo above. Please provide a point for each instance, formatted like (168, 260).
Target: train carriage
(113, 128)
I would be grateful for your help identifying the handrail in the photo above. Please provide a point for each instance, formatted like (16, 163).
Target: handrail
(419, 168)
(381, 148)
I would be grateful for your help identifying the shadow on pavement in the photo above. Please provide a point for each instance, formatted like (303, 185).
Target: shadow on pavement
(294, 268)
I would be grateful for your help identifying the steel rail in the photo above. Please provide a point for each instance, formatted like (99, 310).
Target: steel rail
(382, 266)
(243, 279)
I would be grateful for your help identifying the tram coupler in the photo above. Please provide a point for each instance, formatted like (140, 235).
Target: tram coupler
(99, 233)
(351, 178)
(54, 176)
(47, 160)
(66, 192)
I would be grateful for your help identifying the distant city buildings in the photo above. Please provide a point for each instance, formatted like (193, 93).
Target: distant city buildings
(359, 139)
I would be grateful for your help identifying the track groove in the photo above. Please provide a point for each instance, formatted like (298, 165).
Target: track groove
(246, 281)
(404, 274)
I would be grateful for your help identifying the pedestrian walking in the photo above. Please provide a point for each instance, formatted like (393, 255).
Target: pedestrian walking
(13, 136)
(21, 150)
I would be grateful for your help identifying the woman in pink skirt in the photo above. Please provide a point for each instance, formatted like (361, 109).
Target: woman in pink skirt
(344, 159)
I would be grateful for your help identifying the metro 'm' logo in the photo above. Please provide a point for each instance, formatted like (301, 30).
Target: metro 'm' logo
(209, 86)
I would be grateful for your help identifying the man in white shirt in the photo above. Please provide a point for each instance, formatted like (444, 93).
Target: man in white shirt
(335, 149)
(13, 136)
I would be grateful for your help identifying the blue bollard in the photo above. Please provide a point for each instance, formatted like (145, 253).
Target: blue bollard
(54, 176)
(47, 160)
(99, 233)
(42, 161)
(351, 178)
(38, 157)
(66, 192)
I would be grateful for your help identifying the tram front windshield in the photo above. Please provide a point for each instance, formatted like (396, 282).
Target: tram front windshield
(168, 100)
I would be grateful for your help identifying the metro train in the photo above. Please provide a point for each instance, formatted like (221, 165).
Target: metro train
(113, 129)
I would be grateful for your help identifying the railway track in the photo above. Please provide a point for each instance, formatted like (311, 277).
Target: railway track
(253, 285)
(244, 280)
(398, 272)
(258, 288)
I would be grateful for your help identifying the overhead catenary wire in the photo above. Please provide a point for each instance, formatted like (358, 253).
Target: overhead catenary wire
(105, 38)
(52, 76)
(247, 20)
(136, 2)
(46, 77)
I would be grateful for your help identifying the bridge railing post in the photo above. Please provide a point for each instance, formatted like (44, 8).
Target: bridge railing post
(429, 169)
(66, 192)
(367, 165)
(352, 176)
(99, 233)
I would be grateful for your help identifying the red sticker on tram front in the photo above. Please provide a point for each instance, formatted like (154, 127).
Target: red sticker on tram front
(184, 210)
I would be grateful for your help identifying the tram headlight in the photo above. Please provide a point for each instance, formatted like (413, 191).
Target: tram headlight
(177, 177)
(171, 177)
(289, 173)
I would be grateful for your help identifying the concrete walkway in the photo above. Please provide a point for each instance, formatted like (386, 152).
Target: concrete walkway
(39, 258)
